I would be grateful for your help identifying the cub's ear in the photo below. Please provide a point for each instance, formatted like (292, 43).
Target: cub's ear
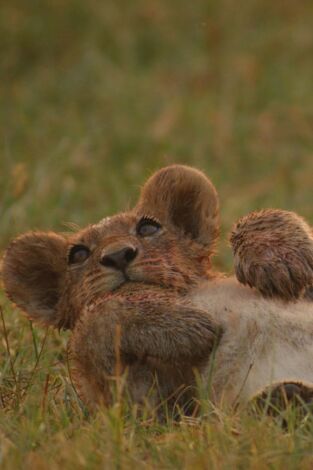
(273, 252)
(185, 198)
(33, 271)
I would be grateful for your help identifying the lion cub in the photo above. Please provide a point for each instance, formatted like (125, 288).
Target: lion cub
(139, 294)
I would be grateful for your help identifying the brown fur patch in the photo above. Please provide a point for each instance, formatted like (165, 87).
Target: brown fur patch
(147, 297)
(185, 198)
(273, 252)
(33, 270)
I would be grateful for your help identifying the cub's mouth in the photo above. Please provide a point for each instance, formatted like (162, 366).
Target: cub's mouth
(134, 279)
(129, 286)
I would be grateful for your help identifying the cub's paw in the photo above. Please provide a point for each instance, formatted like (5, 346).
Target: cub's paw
(273, 252)
(287, 402)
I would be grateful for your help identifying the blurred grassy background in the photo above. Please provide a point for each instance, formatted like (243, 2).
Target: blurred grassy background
(96, 95)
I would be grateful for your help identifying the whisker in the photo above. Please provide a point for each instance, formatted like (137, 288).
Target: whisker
(149, 260)
(98, 275)
(142, 270)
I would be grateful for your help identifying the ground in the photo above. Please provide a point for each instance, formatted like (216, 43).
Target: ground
(94, 97)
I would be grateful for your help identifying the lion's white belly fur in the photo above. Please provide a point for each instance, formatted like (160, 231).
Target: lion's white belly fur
(264, 341)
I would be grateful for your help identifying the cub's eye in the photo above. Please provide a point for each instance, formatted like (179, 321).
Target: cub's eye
(147, 227)
(78, 254)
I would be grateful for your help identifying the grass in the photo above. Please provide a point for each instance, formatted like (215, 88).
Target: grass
(94, 97)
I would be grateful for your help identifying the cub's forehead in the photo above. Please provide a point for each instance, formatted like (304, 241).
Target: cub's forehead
(115, 226)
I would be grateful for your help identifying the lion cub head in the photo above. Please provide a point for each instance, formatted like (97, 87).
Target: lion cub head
(166, 240)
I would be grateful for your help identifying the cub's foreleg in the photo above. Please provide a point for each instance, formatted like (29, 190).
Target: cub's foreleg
(273, 252)
(119, 333)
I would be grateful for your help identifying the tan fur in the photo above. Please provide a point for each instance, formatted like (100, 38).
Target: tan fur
(264, 341)
(151, 306)
(274, 252)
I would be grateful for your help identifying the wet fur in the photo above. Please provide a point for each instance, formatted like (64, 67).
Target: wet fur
(160, 319)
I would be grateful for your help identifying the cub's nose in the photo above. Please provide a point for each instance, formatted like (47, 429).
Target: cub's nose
(119, 259)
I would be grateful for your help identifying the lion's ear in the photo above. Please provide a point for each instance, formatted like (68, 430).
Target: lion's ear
(184, 197)
(33, 270)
